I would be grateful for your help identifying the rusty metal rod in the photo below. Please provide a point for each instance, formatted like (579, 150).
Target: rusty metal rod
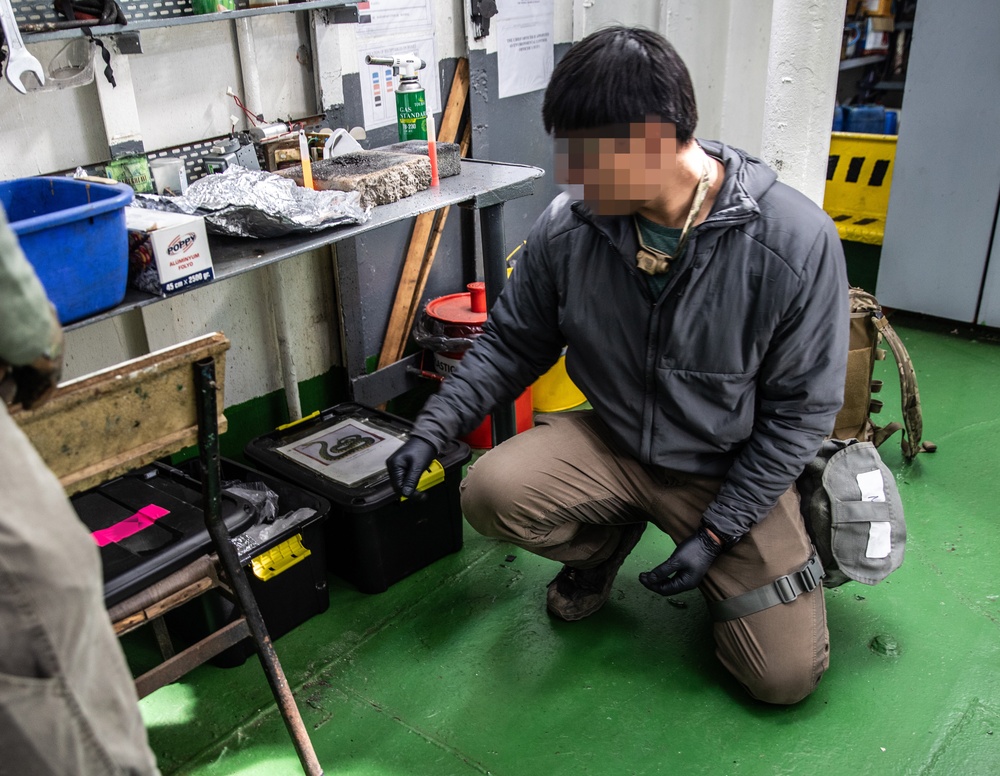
(208, 448)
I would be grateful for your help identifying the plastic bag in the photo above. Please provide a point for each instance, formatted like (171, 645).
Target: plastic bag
(258, 535)
(264, 500)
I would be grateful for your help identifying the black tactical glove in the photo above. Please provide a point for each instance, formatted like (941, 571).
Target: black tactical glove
(408, 463)
(689, 563)
(34, 383)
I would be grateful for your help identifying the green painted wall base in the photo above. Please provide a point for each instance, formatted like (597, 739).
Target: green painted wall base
(862, 264)
(265, 413)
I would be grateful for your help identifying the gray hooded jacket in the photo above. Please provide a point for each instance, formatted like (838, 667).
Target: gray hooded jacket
(736, 370)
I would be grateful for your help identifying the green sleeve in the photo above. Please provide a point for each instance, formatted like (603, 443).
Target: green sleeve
(27, 325)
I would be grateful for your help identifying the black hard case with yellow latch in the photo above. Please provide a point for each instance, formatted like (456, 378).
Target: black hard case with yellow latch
(374, 538)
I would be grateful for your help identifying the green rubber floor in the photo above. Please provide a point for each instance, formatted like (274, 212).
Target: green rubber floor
(457, 670)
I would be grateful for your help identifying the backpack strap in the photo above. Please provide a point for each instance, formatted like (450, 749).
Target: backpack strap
(913, 422)
(783, 590)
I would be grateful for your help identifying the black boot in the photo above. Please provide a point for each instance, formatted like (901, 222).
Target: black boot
(578, 593)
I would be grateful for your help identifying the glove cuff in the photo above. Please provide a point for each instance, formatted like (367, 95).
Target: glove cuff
(728, 540)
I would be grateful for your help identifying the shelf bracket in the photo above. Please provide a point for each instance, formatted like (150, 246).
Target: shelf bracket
(128, 42)
(342, 14)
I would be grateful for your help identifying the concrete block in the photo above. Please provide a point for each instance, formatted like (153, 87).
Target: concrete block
(447, 153)
(380, 177)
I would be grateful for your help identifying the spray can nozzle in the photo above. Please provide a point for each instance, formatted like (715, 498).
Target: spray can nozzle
(405, 65)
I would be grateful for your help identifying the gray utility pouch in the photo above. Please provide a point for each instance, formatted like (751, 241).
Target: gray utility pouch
(853, 512)
(854, 515)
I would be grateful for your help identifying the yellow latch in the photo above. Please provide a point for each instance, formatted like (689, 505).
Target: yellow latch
(281, 558)
(300, 420)
(433, 476)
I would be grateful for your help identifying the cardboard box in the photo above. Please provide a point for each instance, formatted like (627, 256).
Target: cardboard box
(168, 252)
(877, 7)
(876, 37)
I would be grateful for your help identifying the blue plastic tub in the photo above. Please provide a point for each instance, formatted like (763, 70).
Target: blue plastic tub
(73, 232)
(869, 119)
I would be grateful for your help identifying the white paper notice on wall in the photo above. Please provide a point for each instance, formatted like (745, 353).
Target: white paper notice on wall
(872, 486)
(525, 36)
(879, 540)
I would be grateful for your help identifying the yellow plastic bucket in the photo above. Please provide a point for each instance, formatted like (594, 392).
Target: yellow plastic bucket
(554, 391)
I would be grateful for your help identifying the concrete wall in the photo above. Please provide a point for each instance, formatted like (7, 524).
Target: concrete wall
(175, 93)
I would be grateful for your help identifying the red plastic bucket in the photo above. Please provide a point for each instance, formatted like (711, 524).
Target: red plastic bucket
(469, 310)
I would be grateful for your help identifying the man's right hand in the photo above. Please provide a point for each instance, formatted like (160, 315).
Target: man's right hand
(408, 463)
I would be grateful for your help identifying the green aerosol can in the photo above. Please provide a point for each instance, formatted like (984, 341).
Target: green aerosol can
(411, 102)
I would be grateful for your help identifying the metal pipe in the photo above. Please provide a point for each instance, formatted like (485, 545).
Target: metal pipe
(275, 300)
(495, 273)
(247, 49)
(208, 449)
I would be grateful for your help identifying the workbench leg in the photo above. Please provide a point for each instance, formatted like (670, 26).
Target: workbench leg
(495, 272)
(208, 444)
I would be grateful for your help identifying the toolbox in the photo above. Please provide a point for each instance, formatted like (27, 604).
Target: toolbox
(73, 233)
(374, 538)
(286, 569)
(149, 523)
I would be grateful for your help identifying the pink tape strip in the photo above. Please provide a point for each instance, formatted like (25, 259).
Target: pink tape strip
(144, 518)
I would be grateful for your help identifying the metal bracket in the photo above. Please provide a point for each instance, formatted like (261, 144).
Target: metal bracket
(343, 14)
(128, 42)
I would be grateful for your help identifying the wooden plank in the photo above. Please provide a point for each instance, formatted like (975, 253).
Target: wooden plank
(416, 264)
(173, 669)
(102, 425)
(161, 607)
(432, 246)
(452, 115)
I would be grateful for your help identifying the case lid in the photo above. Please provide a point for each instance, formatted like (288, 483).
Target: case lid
(294, 452)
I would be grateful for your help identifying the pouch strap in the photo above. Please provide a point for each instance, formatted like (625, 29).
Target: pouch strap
(783, 590)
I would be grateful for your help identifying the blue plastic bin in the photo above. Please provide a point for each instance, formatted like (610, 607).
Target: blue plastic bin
(868, 119)
(73, 233)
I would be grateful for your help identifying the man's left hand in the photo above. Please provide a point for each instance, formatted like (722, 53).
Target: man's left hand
(688, 565)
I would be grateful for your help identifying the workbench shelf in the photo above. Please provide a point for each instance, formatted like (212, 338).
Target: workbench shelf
(482, 186)
(152, 14)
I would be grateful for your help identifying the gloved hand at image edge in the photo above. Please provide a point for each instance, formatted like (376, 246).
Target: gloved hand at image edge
(408, 464)
(686, 567)
(33, 383)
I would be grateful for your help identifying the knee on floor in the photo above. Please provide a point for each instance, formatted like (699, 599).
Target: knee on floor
(785, 685)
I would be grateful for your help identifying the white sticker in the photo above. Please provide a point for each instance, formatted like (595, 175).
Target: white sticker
(879, 540)
(872, 486)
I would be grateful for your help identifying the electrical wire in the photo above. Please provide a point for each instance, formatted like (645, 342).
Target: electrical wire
(239, 103)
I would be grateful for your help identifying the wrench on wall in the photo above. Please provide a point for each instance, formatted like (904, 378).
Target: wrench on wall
(19, 60)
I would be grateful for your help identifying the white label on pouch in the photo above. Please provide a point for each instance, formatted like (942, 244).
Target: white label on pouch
(872, 486)
(879, 540)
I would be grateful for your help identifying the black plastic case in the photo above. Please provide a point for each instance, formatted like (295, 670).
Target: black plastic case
(287, 593)
(170, 543)
(374, 538)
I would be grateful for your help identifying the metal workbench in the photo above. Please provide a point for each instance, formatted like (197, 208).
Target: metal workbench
(482, 186)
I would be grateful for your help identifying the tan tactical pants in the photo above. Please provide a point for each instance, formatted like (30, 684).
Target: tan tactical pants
(67, 700)
(562, 491)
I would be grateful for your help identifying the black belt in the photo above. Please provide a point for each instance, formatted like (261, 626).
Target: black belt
(783, 590)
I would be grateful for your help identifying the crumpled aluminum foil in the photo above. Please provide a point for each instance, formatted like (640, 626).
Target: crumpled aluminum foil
(253, 203)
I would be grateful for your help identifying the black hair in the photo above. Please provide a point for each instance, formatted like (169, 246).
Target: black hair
(620, 76)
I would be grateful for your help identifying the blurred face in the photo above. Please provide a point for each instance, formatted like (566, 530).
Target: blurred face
(616, 169)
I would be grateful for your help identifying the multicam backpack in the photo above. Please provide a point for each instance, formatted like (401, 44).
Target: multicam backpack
(869, 327)
(849, 497)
